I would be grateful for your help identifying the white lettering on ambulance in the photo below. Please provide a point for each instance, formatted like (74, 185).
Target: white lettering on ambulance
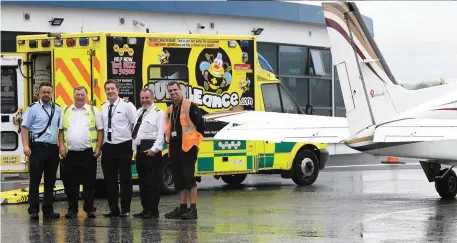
(196, 95)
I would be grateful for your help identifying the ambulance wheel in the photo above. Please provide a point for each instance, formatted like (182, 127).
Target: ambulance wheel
(168, 187)
(233, 180)
(447, 186)
(305, 168)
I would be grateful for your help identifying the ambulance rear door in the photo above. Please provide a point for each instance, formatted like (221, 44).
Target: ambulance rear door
(12, 107)
(72, 67)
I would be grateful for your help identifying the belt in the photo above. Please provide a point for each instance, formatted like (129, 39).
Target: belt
(44, 144)
(84, 150)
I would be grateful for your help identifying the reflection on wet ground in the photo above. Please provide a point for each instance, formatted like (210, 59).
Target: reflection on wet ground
(342, 206)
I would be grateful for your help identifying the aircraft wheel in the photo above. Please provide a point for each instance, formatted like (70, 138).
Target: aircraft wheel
(305, 168)
(447, 186)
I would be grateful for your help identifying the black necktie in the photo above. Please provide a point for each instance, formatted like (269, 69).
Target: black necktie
(138, 124)
(109, 121)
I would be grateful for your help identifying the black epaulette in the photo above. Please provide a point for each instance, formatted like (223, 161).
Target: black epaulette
(57, 104)
(32, 104)
(103, 103)
(157, 109)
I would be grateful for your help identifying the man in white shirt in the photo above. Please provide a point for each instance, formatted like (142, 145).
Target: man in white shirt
(148, 137)
(80, 143)
(118, 118)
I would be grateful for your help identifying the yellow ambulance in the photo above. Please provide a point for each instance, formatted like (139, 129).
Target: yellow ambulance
(216, 72)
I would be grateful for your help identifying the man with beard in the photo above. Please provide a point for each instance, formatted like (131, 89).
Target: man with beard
(185, 129)
(42, 120)
(118, 118)
(148, 137)
(80, 142)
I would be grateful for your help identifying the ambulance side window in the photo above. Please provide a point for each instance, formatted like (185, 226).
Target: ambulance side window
(288, 103)
(271, 98)
(277, 99)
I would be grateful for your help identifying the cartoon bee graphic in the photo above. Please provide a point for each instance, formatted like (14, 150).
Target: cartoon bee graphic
(164, 56)
(216, 73)
(244, 84)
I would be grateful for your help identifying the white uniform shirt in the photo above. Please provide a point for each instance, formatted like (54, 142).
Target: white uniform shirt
(78, 130)
(152, 127)
(123, 117)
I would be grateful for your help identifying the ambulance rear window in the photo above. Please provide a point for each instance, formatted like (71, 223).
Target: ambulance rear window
(9, 90)
(10, 141)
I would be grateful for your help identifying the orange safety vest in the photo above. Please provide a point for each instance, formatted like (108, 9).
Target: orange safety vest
(190, 135)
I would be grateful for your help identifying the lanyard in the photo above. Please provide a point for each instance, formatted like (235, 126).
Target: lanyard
(175, 116)
(52, 111)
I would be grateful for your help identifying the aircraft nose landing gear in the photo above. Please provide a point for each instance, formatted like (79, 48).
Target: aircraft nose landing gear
(446, 183)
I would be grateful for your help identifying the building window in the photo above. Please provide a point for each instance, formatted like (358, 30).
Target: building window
(293, 60)
(321, 92)
(9, 39)
(320, 64)
(270, 53)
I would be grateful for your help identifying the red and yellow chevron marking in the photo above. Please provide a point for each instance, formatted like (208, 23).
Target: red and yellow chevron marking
(73, 70)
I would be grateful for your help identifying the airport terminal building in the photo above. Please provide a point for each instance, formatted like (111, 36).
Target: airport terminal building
(292, 37)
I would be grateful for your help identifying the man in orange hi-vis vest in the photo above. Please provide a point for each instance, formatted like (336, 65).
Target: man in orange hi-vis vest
(185, 129)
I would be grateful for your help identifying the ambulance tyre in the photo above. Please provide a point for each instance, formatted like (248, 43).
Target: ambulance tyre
(305, 168)
(168, 187)
(233, 180)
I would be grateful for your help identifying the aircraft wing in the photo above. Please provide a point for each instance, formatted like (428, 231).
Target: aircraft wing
(412, 130)
(281, 127)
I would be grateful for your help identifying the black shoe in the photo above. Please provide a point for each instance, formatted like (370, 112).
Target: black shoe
(139, 215)
(175, 214)
(51, 215)
(150, 215)
(34, 216)
(71, 215)
(190, 214)
(111, 214)
(91, 215)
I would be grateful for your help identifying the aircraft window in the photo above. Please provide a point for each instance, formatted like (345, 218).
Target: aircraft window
(264, 63)
(271, 98)
(288, 103)
(9, 141)
(9, 91)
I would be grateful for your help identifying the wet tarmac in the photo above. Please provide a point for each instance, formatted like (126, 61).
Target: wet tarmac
(395, 204)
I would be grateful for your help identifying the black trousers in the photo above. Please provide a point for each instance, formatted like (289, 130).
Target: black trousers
(117, 163)
(150, 180)
(183, 167)
(44, 158)
(80, 168)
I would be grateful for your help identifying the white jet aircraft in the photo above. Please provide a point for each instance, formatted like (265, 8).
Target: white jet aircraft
(383, 118)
